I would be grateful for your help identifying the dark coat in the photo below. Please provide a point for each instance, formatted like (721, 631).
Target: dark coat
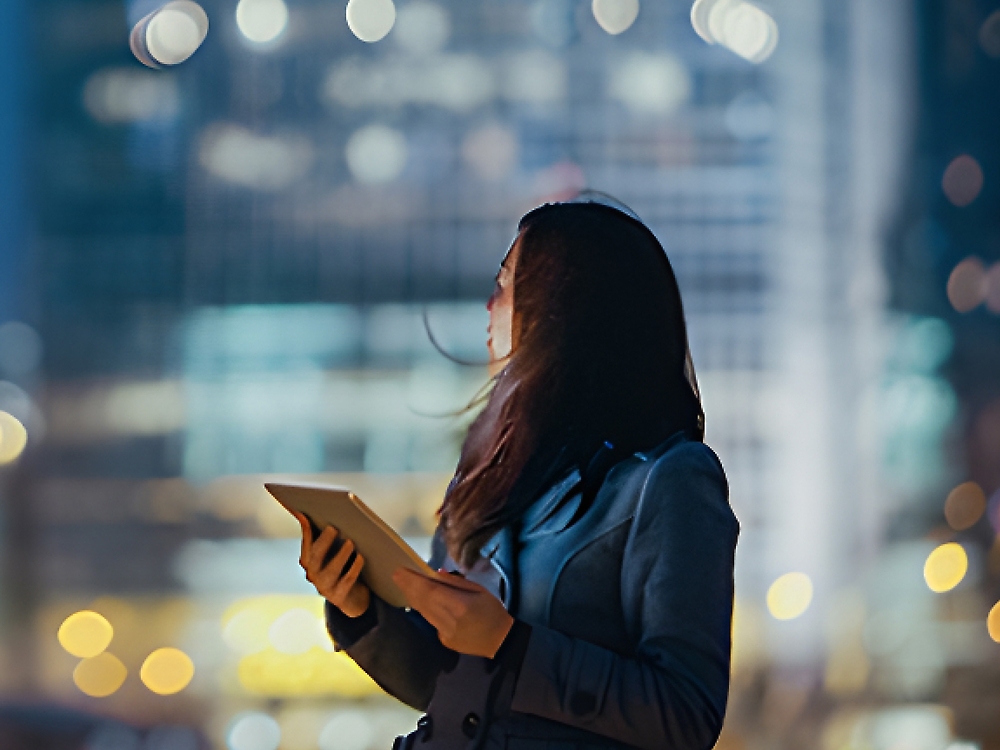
(622, 633)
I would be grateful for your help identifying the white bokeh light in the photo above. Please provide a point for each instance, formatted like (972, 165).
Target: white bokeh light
(349, 730)
(169, 35)
(649, 83)
(241, 157)
(738, 25)
(262, 21)
(296, 631)
(376, 154)
(422, 27)
(370, 20)
(615, 16)
(253, 731)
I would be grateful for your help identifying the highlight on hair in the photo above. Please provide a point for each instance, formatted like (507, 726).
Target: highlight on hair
(600, 353)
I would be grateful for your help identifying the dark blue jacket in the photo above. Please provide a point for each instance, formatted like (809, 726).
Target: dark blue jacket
(622, 634)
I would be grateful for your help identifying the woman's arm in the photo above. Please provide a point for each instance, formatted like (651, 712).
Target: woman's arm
(677, 589)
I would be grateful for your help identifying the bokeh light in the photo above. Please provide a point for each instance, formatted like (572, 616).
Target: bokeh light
(993, 622)
(370, 20)
(253, 731)
(100, 676)
(262, 162)
(646, 83)
(967, 285)
(85, 634)
(296, 631)
(989, 34)
(376, 154)
(114, 95)
(965, 505)
(13, 438)
(962, 180)
(422, 27)
(169, 35)
(740, 26)
(615, 16)
(167, 671)
(261, 21)
(946, 567)
(789, 596)
(348, 730)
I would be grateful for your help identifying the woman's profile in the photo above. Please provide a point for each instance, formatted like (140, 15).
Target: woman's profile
(589, 520)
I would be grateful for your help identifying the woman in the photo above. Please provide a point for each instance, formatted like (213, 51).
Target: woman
(590, 523)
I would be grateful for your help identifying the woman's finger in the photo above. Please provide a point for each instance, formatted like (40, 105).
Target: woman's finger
(320, 548)
(427, 595)
(350, 577)
(306, 537)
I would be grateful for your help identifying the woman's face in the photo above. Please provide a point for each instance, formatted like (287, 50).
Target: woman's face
(501, 308)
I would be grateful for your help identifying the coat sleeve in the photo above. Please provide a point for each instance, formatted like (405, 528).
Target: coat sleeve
(677, 589)
(398, 648)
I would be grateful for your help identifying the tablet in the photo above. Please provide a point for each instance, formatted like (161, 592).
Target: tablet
(383, 549)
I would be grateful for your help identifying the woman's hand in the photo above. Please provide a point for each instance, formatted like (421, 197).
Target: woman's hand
(338, 586)
(468, 618)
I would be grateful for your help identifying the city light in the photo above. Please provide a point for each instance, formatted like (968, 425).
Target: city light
(615, 16)
(789, 596)
(100, 676)
(170, 34)
(993, 622)
(298, 630)
(962, 180)
(650, 84)
(370, 20)
(119, 95)
(13, 438)
(263, 162)
(967, 285)
(261, 21)
(946, 567)
(376, 154)
(167, 671)
(740, 26)
(965, 505)
(253, 731)
(348, 730)
(85, 634)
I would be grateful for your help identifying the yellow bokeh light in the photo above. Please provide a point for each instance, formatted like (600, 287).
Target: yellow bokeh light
(85, 634)
(167, 671)
(789, 596)
(13, 438)
(315, 673)
(993, 622)
(945, 567)
(100, 676)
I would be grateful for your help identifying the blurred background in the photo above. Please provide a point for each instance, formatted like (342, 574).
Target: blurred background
(224, 224)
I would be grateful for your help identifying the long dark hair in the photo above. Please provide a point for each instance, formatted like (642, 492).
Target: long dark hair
(599, 356)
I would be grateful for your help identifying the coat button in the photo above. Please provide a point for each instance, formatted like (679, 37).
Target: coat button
(426, 726)
(469, 725)
(582, 703)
